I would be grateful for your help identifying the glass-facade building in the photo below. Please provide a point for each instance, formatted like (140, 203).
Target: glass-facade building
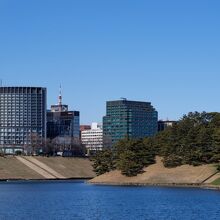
(22, 117)
(130, 119)
(63, 124)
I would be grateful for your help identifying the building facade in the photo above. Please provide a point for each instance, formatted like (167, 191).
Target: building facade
(22, 118)
(162, 125)
(84, 128)
(131, 119)
(92, 139)
(62, 123)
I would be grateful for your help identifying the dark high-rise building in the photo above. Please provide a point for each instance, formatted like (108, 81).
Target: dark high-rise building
(63, 123)
(130, 119)
(22, 117)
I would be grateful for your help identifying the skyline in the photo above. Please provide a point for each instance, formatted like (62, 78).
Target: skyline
(166, 53)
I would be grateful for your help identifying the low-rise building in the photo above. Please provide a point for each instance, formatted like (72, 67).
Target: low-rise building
(93, 139)
(84, 128)
(162, 125)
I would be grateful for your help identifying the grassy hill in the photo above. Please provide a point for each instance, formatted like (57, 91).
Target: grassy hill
(158, 174)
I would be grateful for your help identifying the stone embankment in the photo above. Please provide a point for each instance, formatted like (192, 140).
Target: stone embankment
(34, 168)
(157, 174)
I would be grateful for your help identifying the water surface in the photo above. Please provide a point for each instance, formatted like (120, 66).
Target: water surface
(78, 200)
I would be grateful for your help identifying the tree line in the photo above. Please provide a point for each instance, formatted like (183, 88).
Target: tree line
(193, 140)
(38, 145)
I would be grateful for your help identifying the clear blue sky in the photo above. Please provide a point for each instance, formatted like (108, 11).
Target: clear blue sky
(166, 52)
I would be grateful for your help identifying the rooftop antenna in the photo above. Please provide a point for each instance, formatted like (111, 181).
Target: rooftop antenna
(1, 82)
(124, 99)
(60, 96)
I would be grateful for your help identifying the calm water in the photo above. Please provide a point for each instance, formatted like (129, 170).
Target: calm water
(78, 200)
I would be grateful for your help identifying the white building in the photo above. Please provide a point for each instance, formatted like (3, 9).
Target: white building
(93, 138)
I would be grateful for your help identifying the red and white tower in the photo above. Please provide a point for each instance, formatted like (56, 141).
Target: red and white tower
(60, 99)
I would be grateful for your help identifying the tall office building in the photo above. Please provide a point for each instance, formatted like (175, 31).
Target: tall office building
(62, 123)
(22, 117)
(130, 119)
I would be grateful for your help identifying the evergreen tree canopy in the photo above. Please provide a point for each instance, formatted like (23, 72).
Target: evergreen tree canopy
(194, 140)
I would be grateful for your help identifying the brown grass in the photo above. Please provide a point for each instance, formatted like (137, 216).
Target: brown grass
(70, 167)
(11, 168)
(158, 174)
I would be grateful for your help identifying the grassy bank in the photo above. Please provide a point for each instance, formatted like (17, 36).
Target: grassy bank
(157, 174)
(70, 168)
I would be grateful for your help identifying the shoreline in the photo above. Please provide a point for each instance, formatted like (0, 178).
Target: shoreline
(45, 180)
(87, 181)
(172, 185)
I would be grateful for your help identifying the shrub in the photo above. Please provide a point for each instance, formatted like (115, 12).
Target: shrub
(172, 161)
(218, 167)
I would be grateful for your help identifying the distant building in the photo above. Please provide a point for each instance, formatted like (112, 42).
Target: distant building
(162, 125)
(62, 123)
(130, 119)
(92, 139)
(22, 118)
(84, 128)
